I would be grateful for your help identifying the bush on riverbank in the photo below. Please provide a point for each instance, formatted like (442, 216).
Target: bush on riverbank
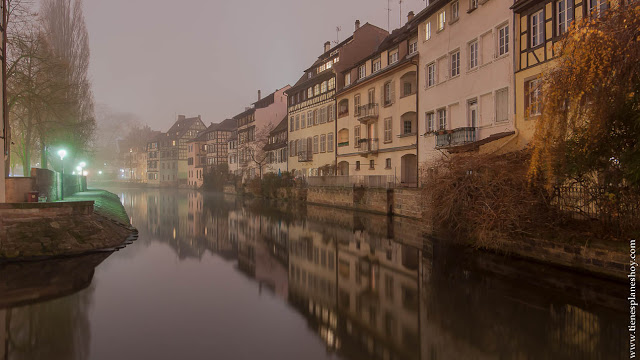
(270, 184)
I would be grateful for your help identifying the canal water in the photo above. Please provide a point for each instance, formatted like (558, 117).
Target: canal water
(216, 277)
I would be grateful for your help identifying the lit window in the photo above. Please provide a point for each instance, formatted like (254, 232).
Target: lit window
(323, 87)
(332, 83)
(431, 74)
(455, 64)
(309, 93)
(316, 90)
(503, 40)
(442, 19)
(537, 28)
(473, 54)
(427, 31)
(329, 64)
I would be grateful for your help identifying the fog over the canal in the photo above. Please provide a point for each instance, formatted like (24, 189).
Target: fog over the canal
(159, 58)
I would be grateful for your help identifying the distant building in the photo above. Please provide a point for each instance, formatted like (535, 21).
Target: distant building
(208, 149)
(377, 110)
(153, 159)
(197, 159)
(312, 105)
(254, 125)
(276, 148)
(232, 153)
(173, 168)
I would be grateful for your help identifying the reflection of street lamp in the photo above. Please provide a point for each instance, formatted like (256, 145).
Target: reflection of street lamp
(130, 164)
(62, 153)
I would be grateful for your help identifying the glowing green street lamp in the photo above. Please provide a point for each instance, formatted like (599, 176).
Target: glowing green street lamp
(62, 153)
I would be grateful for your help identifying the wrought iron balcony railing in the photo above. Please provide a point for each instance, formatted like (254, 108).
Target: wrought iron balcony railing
(304, 156)
(368, 146)
(367, 112)
(455, 137)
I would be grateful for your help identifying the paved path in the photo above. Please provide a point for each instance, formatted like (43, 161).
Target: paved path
(105, 203)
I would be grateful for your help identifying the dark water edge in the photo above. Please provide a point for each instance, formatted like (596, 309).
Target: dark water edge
(214, 275)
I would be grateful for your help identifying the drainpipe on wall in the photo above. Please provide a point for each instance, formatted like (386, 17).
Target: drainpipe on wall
(417, 64)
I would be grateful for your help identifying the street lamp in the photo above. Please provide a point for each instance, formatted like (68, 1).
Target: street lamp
(62, 153)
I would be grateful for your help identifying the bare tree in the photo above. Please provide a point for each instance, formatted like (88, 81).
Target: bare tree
(254, 151)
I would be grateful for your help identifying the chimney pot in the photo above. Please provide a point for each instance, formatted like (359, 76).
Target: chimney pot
(410, 16)
(357, 24)
(327, 46)
(259, 95)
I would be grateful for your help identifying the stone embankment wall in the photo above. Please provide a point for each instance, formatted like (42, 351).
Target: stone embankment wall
(46, 182)
(400, 201)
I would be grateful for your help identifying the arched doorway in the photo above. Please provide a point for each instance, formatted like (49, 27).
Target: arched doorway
(409, 169)
(343, 168)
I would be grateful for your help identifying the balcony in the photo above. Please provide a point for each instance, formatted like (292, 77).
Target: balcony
(455, 137)
(305, 156)
(368, 146)
(367, 112)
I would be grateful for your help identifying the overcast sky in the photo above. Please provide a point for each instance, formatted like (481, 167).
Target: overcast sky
(159, 58)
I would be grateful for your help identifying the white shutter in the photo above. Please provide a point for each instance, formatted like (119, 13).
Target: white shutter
(393, 92)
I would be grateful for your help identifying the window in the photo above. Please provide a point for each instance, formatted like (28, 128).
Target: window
(356, 105)
(357, 165)
(473, 4)
(371, 96)
(297, 122)
(427, 30)
(393, 56)
(331, 113)
(372, 164)
(537, 28)
(309, 118)
(455, 64)
(407, 88)
(343, 107)
(502, 105)
(442, 119)
(291, 124)
(473, 54)
(332, 83)
(596, 7)
(431, 74)
(323, 87)
(323, 115)
(472, 113)
(429, 122)
(377, 64)
(315, 144)
(315, 117)
(356, 136)
(387, 163)
(309, 93)
(291, 148)
(455, 11)
(316, 90)
(563, 16)
(442, 19)
(362, 71)
(347, 79)
(413, 46)
(533, 97)
(389, 93)
(303, 121)
(503, 40)
(387, 130)
(330, 142)
(323, 143)
(406, 127)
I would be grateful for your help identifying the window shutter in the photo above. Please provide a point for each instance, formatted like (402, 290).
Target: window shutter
(393, 92)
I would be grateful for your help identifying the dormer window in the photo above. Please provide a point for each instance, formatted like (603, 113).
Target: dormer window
(362, 71)
(347, 79)
(377, 64)
(413, 46)
(393, 56)
(309, 75)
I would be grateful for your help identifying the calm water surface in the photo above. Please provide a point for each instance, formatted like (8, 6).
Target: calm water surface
(212, 276)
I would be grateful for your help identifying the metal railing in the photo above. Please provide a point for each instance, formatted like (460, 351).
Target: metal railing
(368, 146)
(304, 156)
(367, 111)
(369, 181)
(459, 136)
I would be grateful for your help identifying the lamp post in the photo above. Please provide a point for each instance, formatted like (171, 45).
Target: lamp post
(82, 166)
(62, 153)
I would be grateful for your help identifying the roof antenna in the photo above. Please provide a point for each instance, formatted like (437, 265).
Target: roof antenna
(338, 29)
(400, 13)
(388, 15)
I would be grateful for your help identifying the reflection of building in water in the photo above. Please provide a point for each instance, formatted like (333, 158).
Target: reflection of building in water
(378, 295)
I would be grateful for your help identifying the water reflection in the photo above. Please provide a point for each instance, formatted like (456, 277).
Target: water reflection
(366, 286)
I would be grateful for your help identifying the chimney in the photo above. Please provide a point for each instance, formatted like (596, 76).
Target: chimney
(327, 46)
(357, 24)
(259, 95)
(181, 117)
(410, 16)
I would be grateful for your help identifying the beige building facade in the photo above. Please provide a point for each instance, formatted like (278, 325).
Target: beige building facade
(466, 82)
(377, 111)
(312, 105)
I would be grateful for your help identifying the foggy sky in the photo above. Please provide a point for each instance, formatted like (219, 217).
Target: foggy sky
(159, 58)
